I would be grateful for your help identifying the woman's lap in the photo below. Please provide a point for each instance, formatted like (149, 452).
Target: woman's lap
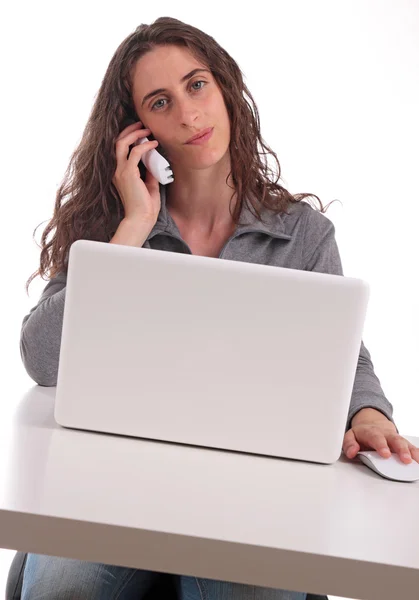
(51, 577)
(192, 588)
(55, 578)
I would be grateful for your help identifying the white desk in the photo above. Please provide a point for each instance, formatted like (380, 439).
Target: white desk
(336, 529)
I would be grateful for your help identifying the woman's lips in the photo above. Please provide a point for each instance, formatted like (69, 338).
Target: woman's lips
(202, 139)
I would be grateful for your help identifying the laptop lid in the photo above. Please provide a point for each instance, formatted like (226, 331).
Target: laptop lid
(211, 352)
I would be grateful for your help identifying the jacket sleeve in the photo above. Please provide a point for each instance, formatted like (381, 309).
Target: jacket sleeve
(324, 257)
(40, 337)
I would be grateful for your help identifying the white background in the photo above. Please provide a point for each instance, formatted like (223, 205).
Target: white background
(336, 84)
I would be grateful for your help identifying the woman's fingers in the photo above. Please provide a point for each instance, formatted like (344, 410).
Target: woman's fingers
(414, 451)
(403, 448)
(377, 440)
(365, 437)
(350, 445)
(372, 437)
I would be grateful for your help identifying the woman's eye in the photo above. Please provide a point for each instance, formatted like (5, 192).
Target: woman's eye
(199, 81)
(154, 107)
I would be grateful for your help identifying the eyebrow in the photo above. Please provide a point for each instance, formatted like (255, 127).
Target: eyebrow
(184, 78)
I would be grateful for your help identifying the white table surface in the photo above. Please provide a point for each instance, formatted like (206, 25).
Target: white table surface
(338, 529)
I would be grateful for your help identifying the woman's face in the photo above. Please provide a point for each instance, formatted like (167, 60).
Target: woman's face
(183, 109)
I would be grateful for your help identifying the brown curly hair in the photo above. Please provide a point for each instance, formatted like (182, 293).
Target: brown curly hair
(87, 204)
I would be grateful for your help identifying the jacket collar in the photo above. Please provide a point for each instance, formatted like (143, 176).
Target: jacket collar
(273, 224)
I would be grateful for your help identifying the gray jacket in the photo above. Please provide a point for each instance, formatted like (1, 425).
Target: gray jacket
(304, 239)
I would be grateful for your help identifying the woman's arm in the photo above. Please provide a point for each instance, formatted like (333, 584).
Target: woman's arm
(40, 337)
(324, 257)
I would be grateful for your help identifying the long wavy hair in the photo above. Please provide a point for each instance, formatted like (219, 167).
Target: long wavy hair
(87, 204)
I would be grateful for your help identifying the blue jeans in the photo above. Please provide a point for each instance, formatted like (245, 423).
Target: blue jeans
(54, 578)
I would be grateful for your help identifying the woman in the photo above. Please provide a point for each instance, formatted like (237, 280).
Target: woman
(152, 80)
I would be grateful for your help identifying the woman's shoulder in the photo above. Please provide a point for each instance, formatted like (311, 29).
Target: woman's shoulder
(303, 217)
(303, 209)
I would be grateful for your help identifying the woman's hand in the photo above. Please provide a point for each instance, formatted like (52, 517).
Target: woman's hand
(140, 199)
(371, 430)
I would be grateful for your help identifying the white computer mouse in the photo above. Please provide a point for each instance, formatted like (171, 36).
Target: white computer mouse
(390, 468)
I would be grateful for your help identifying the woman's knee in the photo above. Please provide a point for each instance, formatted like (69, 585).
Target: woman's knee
(56, 578)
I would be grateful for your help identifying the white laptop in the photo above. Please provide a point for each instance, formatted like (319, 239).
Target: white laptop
(209, 352)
